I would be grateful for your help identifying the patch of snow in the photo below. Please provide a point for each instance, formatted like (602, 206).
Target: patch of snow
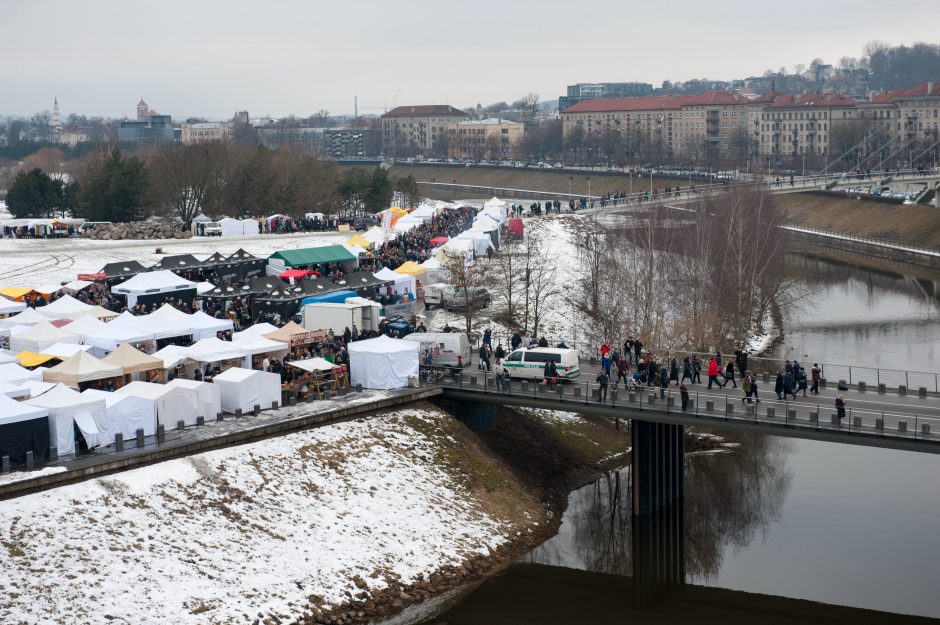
(19, 476)
(243, 530)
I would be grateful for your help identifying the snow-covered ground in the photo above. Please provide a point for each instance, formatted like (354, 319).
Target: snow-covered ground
(42, 262)
(229, 534)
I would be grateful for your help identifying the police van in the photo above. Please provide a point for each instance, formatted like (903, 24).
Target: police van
(530, 363)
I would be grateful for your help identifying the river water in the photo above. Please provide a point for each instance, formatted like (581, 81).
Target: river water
(838, 524)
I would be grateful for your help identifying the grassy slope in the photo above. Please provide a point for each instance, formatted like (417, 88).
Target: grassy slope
(544, 180)
(912, 225)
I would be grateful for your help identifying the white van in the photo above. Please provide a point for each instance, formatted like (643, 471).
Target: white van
(530, 363)
(445, 347)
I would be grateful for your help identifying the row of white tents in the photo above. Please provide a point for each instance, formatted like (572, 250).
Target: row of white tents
(100, 415)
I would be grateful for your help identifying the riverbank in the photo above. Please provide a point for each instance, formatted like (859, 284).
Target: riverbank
(342, 524)
(917, 226)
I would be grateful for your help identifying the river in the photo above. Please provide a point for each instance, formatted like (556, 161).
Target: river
(838, 524)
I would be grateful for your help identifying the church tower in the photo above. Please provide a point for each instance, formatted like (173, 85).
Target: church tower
(56, 116)
(143, 110)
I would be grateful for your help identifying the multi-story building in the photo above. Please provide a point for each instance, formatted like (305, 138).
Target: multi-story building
(687, 127)
(149, 127)
(207, 132)
(794, 125)
(413, 130)
(492, 138)
(353, 142)
(592, 90)
(896, 127)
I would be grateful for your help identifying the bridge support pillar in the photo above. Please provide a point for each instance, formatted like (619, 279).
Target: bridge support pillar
(658, 512)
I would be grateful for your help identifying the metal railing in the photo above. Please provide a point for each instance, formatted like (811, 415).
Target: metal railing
(711, 407)
(853, 375)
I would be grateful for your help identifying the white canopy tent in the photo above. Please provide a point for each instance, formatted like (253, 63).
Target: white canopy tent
(259, 328)
(173, 403)
(312, 364)
(172, 356)
(14, 390)
(204, 287)
(17, 375)
(375, 235)
(28, 317)
(246, 388)
(435, 271)
(66, 307)
(126, 413)
(76, 285)
(208, 397)
(165, 322)
(383, 362)
(255, 344)
(65, 350)
(481, 241)
(205, 326)
(231, 227)
(40, 336)
(355, 250)
(406, 223)
(67, 407)
(105, 336)
(151, 283)
(214, 350)
(9, 307)
(403, 282)
(250, 226)
(424, 212)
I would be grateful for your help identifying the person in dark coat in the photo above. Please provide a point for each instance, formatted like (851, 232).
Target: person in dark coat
(778, 386)
(674, 370)
(729, 374)
(788, 387)
(663, 381)
(515, 341)
(684, 393)
(500, 352)
(840, 407)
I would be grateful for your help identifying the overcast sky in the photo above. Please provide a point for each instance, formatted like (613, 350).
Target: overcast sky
(211, 58)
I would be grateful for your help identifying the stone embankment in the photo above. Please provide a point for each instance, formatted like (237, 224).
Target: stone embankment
(138, 230)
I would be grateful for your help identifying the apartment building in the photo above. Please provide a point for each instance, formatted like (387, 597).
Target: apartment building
(688, 127)
(908, 119)
(793, 125)
(414, 130)
(492, 138)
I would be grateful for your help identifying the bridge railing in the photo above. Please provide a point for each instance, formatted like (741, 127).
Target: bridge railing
(833, 373)
(804, 412)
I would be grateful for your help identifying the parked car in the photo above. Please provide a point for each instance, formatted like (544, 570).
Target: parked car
(364, 223)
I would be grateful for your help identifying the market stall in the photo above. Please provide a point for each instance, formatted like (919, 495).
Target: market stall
(243, 389)
(383, 362)
(154, 286)
(40, 336)
(125, 414)
(402, 283)
(172, 403)
(208, 399)
(23, 428)
(69, 410)
(66, 307)
(135, 364)
(82, 368)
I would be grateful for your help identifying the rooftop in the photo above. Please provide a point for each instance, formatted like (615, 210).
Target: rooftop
(424, 110)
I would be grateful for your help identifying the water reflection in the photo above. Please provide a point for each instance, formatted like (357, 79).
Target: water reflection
(729, 499)
(849, 314)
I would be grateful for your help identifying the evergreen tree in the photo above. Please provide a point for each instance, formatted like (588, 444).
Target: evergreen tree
(379, 195)
(115, 190)
(36, 194)
(407, 186)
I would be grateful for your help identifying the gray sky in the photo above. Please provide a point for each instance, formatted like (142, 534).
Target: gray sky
(210, 58)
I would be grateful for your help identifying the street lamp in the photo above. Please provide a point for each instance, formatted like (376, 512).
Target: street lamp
(589, 186)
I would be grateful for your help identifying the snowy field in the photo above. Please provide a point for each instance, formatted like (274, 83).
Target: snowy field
(223, 536)
(42, 262)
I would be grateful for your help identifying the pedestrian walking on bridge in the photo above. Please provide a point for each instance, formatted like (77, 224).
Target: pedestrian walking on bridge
(840, 407)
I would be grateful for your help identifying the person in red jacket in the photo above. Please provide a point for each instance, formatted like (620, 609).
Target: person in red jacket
(713, 373)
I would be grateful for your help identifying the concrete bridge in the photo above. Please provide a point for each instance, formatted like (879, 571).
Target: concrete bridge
(657, 420)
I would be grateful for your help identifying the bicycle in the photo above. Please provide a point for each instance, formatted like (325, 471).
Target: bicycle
(439, 376)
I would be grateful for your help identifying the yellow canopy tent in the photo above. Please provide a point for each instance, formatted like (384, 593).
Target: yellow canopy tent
(397, 213)
(412, 269)
(32, 359)
(358, 239)
(15, 292)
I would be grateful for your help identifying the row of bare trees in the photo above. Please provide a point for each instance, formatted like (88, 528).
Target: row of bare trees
(700, 279)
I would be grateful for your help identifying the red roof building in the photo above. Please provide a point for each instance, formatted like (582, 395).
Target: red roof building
(418, 130)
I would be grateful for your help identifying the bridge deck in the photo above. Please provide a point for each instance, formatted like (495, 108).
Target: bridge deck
(892, 421)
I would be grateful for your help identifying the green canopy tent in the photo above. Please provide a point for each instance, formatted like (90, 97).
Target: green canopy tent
(314, 256)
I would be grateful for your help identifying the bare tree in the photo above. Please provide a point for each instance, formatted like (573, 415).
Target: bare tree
(465, 275)
(503, 278)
